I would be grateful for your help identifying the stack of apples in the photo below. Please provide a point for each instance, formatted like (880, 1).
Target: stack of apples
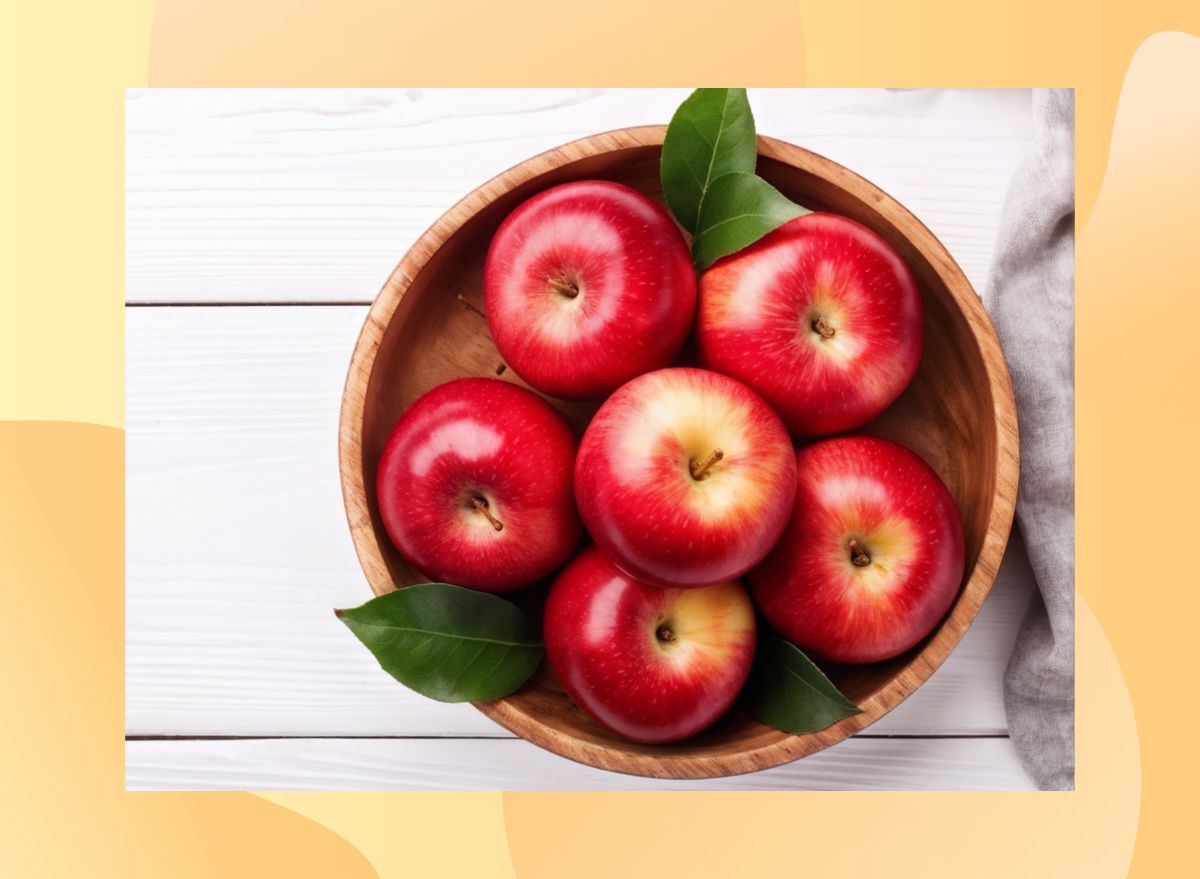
(719, 483)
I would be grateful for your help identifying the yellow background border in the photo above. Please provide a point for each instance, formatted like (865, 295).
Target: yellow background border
(61, 447)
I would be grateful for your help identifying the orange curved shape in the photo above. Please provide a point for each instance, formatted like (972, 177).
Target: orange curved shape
(64, 811)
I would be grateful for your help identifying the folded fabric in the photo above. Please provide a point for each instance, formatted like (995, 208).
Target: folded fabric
(1030, 297)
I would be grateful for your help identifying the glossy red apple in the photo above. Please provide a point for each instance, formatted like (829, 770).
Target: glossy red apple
(653, 665)
(872, 557)
(475, 485)
(587, 285)
(821, 317)
(685, 478)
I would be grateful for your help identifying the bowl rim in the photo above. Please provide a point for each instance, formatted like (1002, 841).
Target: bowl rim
(783, 747)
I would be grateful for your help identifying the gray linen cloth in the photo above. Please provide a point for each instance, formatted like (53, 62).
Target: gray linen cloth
(1031, 300)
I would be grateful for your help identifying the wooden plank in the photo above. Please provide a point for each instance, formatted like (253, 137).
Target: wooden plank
(499, 764)
(314, 195)
(238, 549)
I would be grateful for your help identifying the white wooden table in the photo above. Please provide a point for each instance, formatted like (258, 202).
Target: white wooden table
(259, 226)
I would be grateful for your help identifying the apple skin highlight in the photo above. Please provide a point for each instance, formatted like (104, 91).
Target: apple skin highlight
(876, 598)
(587, 285)
(659, 501)
(471, 455)
(821, 317)
(652, 665)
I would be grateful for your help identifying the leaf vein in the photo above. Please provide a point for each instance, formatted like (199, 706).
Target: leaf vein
(436, 634)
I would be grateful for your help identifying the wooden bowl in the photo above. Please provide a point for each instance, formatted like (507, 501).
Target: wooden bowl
(427, 327)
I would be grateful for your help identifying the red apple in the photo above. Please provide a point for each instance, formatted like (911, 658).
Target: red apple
(872, 557)
(685, 478)
(587, 285)
(475, 485)
(653, 665)
(821, 317)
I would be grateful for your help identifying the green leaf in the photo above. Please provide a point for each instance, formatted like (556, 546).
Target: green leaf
(738, 210)
(448, 643)
(788, 692)
(711, 134)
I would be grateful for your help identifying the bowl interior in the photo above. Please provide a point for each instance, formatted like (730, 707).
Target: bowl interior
(427, 327)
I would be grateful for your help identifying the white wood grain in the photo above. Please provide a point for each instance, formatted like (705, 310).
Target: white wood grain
(238, 549)
(314, 195)
(500, 764)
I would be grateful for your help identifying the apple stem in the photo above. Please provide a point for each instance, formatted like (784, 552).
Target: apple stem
(860, 558)
(823, 328)
(565, 287)
(699, 467)
(482, 506)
